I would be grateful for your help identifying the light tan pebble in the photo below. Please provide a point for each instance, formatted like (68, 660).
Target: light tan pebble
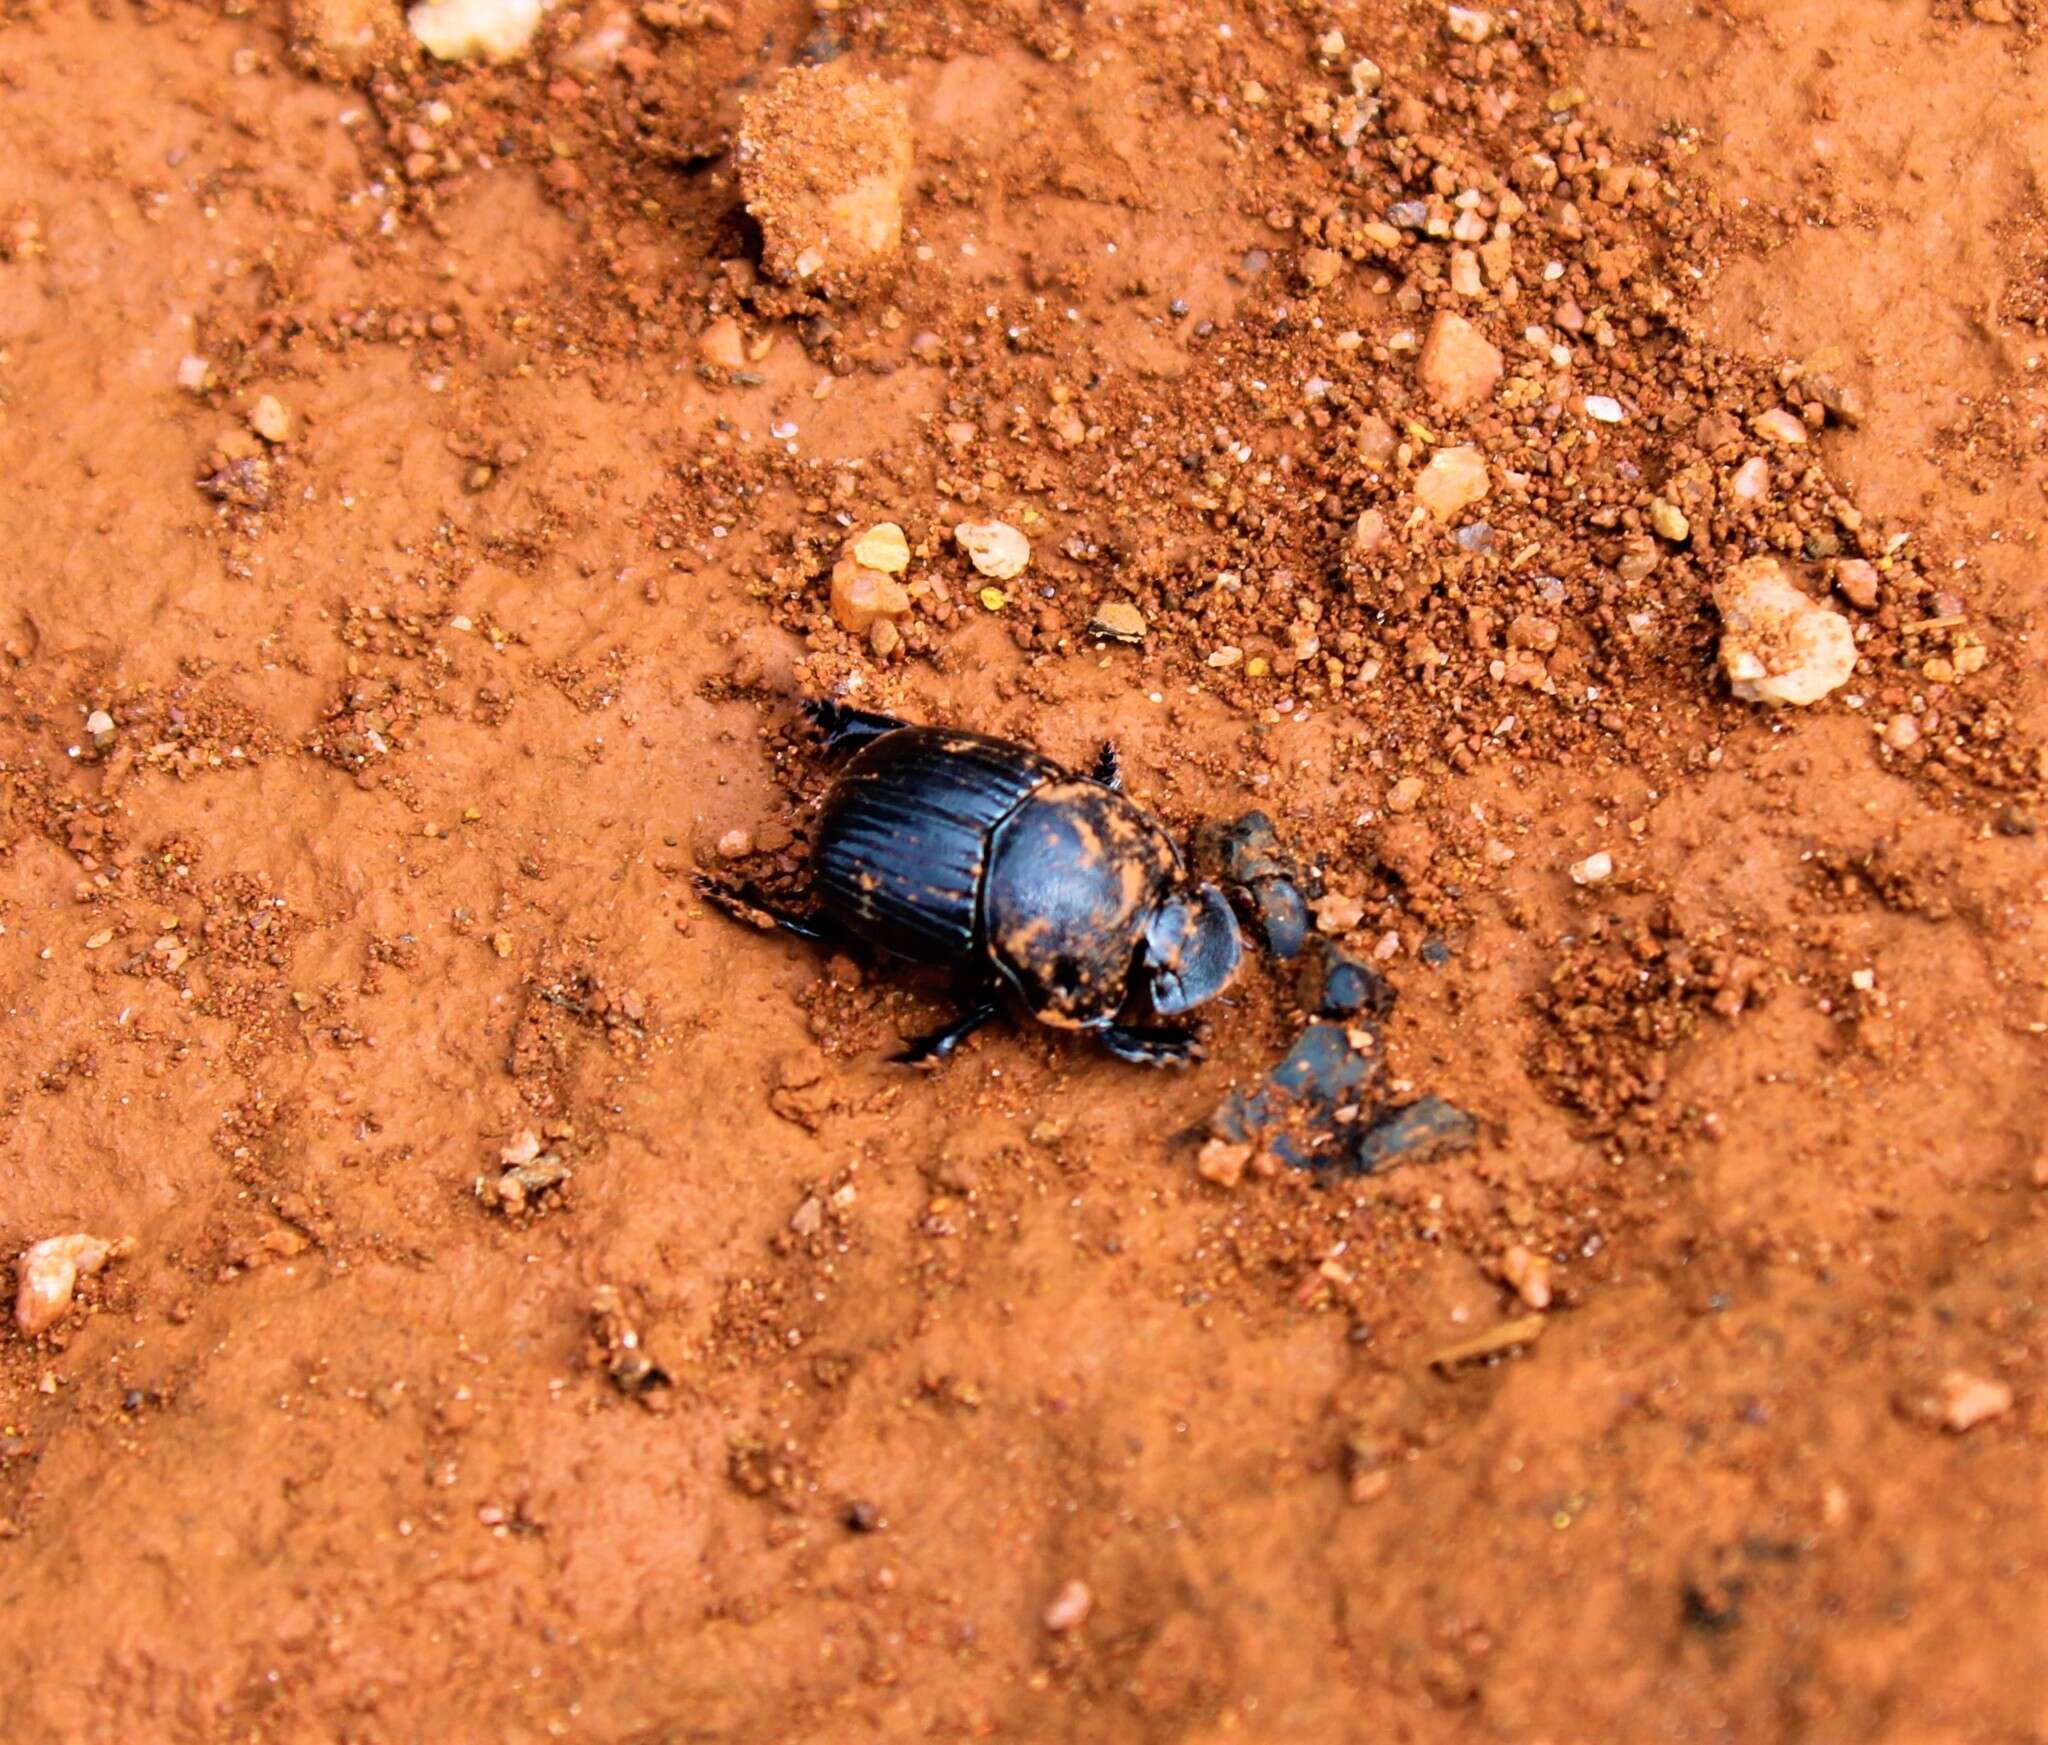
(1223, 1163)
(1455, 479)
(1330, 45)
(1902, 733)
(1468, 23)
(195, 375)
(1668, 521)
(269, 419)
(1603, 408)
(1459, 365)
(883, 547)
(824, 159)
(1777, 645)
(1069, 1608)
(735, 844)
(1320, 267)
(1365, 77)
(1594, 869)
(100, 725)
(1369, 533)
(1465, 276)
(1369, 1484)
(494, 31)
(1470, 227)
(1528, 1275)
(995, 548)
(1338, 913)
(1226, 656)
(1119, 620)
(1406, 794)
(1778, 425)
(1969, 1400)
(1497, 259)
(1752, 479)
(884, 638)
(1971, 658)
(1376, 441)
(722, 345)
(48, 1275)
(860, 596)
(1067, 424)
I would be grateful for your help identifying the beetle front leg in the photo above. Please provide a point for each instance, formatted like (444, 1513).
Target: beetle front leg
(1109, 768)
(1153, 1045)
(746, 903)
(940, 1043)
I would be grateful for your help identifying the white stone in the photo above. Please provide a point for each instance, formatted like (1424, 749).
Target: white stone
(995, 548)
(1593, 869)
(49, 1273)
(1777, 645)
(475, 30)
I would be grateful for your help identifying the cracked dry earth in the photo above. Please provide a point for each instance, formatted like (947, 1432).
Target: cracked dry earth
(541, 1312)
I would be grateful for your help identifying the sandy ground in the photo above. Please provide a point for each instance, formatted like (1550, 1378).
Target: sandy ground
(419, 709)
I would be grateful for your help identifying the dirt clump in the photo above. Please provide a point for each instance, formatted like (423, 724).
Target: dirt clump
(824, 161)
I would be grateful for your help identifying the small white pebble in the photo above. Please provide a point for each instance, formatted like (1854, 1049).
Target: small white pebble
(995, 548)
(1969, 1400)
(1593, 868)
(1069, 1608)
(1603, 409)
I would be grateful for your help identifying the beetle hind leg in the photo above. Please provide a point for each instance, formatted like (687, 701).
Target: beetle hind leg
(845, 729)
(940, 1043)
(746, 903)
(1152, 1045)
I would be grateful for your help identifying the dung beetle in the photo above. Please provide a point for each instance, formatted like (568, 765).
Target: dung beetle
(944, 847)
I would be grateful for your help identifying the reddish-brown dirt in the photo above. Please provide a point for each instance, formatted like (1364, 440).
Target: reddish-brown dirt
(420, 720)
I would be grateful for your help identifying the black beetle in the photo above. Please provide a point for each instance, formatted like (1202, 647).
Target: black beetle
(944, 847)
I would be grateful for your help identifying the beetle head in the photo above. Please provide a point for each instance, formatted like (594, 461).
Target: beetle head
(1191, 949)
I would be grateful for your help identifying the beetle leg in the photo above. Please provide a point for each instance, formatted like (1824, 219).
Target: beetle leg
(1109, 768)
(941, 1043)
(746, 903)
(847, 730)
(1157, 1045)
